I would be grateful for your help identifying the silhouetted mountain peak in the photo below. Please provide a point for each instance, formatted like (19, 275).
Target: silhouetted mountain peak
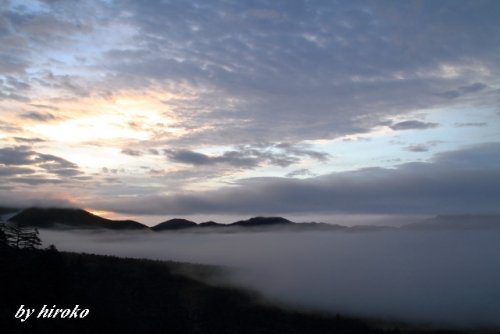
(262, 221)
(174, 224)
(211, 224)
(52, 217)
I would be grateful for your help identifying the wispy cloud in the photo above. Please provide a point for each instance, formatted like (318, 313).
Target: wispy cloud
(16, 162)
(413, 125)
(38, 116)
(249, 156)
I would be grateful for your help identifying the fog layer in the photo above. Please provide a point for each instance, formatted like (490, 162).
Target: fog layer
(449, 278)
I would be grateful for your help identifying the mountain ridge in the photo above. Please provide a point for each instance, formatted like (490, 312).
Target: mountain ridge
(79, 218)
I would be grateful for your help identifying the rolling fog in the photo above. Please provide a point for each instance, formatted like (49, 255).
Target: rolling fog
(443, 278)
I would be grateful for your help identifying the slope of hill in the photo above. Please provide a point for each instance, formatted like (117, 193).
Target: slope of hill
(70, 218)
(142, 296)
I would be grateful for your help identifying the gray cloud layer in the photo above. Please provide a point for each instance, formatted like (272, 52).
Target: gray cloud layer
(38, 116)
(21, 160)
(249, 156)
(268, 70)
(311, 71)
(466, 180)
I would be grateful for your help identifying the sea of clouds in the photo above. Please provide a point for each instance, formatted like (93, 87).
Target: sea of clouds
(441, 278)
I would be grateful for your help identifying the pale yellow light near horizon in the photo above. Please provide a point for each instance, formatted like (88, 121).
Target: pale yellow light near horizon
(93, 131)
(128, 117)
(102, 213)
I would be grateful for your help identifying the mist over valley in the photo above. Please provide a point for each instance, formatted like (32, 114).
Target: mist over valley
(426, 277)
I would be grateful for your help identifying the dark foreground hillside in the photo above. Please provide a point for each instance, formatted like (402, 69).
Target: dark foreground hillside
(139, 296)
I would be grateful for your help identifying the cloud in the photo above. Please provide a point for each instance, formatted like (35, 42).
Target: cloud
(249, 72)
(471, 124)
(38, 116)
(413, 125)
(131, 152)
(28, 38)
(42, 27)
(467, 180)
(339, 68)
(425, 278)
(11, 64)
(12, 171)
(300, 172)
(16, 198)
(68, 83)
(190, 157)
(44, 106)
(34, 181)
(417, 148)
(28, 140)
(12, 88)
(232, 158)
(9, 127)
(249, 156)
(23, 156)
(463, 90)
(473, 88)
(7, 95)
(15, 156)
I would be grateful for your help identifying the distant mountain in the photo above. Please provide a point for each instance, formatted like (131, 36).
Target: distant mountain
(211, 224)
(262, 221)
(253, 224)
(174, 224)
(457, 222)
(73, 218)
(78, 218)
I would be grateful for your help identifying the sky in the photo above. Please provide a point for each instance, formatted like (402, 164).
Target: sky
(235, 109)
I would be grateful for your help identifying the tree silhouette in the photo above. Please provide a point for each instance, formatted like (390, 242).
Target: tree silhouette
(3, 237)
(30, 239)
(21, 236)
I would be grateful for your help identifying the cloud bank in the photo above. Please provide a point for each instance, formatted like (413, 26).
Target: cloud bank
(461, 181)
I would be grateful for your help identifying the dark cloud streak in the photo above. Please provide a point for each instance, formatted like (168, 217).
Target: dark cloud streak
(249, 156)
(38, 116)
(413, 125)
(23, 158)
